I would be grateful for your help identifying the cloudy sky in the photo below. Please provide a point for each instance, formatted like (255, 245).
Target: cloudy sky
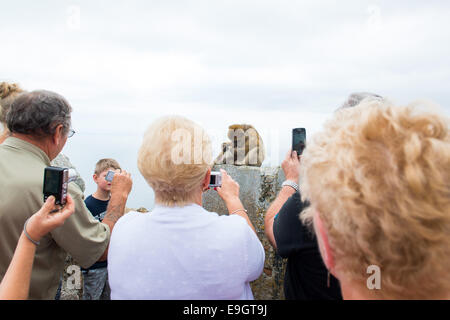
(275, 64)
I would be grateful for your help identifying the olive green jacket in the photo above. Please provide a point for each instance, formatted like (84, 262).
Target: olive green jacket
(21, 182)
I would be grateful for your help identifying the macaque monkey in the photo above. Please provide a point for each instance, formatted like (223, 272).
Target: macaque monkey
(245, 147)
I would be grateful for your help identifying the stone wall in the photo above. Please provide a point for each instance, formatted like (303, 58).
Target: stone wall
(258, 188)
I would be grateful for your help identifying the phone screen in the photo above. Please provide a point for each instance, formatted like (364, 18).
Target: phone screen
(51, 182)
(298, 140)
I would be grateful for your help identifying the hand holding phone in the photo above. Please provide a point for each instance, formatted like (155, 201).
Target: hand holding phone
(291, 166)
(298, 140)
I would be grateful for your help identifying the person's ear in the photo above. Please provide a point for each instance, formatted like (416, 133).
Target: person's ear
(324, 245)
(58, 135)
(95, 177)
(206, 180)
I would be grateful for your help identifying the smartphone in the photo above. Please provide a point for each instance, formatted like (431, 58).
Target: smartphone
(215, 180)
(109, 176)
(55, 184)
(298, 140)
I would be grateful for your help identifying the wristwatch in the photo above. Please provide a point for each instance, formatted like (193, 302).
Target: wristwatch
(291, 184)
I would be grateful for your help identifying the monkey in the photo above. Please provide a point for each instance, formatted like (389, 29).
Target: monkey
(245, 148)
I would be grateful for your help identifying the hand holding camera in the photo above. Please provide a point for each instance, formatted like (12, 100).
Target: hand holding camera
(215, 179)
(56, 182)
(49, 217)
(110, 176)
(121, 183)
(229, 191)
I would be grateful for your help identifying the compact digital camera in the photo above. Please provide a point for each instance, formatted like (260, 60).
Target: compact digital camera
(215, 180)
(109, 176)
(55, 184)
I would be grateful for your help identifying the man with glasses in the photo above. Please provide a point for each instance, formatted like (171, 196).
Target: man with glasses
(71, 133)
(40, 124)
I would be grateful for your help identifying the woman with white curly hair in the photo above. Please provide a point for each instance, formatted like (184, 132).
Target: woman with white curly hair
(180, 250)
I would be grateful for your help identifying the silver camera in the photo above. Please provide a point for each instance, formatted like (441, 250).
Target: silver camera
(109, 176)
(215, 180)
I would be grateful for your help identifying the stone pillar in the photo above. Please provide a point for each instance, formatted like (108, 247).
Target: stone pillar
(63, 161)
(258, 188)
(71, 279)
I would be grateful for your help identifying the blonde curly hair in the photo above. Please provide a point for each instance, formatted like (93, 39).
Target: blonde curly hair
(174, 158)
(378, 175)
(8, 92)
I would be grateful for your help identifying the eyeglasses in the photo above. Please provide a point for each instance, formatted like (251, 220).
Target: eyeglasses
(71, 133)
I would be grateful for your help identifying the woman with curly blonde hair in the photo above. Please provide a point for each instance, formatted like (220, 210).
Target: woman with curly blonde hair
(378, 180)
(8, 92)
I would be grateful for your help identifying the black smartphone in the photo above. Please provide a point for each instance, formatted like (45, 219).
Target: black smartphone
(298, 140)
(55, 184)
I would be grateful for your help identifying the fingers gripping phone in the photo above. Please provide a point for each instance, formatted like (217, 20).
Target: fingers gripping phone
(298, 140)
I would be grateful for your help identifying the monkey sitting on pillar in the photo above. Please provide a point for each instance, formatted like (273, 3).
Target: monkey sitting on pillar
(245, 147)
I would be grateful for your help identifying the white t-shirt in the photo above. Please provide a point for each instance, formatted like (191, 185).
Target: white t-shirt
(183, 253)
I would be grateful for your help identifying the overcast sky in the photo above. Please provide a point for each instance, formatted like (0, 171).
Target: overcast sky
(275, 64)
(262, 55)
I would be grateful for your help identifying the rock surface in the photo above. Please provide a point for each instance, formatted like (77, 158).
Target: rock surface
(71, 279)
(63, 161)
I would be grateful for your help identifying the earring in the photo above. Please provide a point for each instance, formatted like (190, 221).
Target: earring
(328, 279)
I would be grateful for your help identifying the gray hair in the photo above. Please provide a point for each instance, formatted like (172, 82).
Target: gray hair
(38, 113)
(355, 98)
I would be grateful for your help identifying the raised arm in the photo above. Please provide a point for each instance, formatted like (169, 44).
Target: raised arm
(291, 169)
(229, 192)
(121, 188)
